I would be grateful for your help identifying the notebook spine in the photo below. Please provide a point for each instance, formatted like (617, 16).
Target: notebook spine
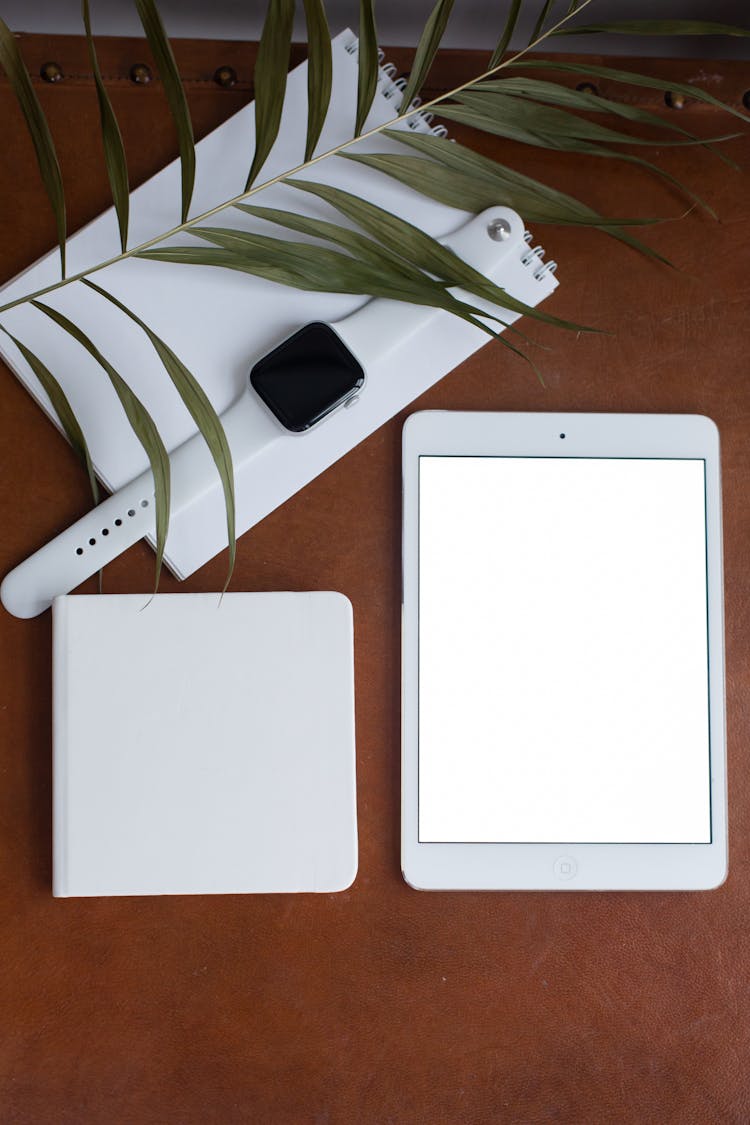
(60, 697)
(392, 88)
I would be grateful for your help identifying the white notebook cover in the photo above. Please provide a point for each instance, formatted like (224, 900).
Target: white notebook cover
(203, 747)
(221, 322)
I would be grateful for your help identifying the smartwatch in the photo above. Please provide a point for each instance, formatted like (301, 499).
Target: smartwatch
(307, 377)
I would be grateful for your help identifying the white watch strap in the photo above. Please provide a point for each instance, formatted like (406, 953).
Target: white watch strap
(129, 515)
(81, 550)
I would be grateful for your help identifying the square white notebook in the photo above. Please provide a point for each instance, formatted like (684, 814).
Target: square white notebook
(203, 747)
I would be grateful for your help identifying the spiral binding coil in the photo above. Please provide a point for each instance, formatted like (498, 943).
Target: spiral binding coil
(391, 87)
(533, 257)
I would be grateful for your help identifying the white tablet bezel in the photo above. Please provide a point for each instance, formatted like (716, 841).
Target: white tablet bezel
(544, 866)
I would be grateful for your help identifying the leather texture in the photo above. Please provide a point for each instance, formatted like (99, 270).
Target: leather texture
(382, 1005)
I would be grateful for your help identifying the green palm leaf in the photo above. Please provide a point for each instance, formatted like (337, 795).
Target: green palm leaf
(270, 80)
(175, 94)
(536, 201)
(558, 127)
(466, 191)
(319, 72)
(343, 273)
(357, 244)
(426, 50)
(314, 268)
(141, 423)
(458, 190)
(62, 408)
(36, 122)
(522, 355)
(553, 93)
(304, 271)
(504, 40)
(402, 238)
(656, 27)
(527, 130)
(114, 150)
(202, 413)
(541, 20)
(367, 80)
(494, 95)
(592, 70)
(470, 181)
(298, 275)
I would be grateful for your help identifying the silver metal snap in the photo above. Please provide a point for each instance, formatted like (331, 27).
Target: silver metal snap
(499, 230)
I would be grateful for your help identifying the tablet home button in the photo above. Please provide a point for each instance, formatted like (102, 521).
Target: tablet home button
(565, 867)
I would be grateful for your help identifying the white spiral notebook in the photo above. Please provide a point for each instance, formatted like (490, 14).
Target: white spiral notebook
(220, 322)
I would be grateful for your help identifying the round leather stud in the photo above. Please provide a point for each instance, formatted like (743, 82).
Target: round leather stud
(51, 72)
(225, 76)
(140, 74)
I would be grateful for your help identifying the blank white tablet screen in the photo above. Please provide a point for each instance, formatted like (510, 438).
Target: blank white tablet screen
(563, 669)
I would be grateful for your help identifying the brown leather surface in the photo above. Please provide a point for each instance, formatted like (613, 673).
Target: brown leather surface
(381, 1004)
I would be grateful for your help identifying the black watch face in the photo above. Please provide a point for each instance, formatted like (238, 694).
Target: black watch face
(306, 377)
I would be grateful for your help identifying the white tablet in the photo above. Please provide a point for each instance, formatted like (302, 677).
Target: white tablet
(563, 658)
